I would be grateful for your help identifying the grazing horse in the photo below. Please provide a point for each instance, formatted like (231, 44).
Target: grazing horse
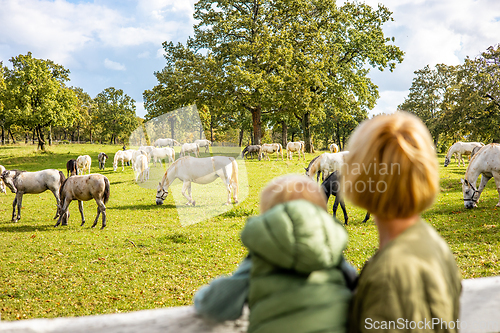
(84, 188)
(204, 143)
(325, 164)
(135, 155)
(313, 168)
(331, 186)
(102, 157)
(83, 163)
(250, 150)
(460, 148)
(270, 148)
(123, 156)
(21, 182)
(292, 147)
(163, 153)
(148, 150)
(2, 184)
(141, 168)
(334, 148)
(71, 168)
(190, 148)
(200, 171)
(166, 142)
(486, 162)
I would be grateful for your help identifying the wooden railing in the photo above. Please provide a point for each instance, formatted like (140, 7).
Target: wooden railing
(480, 313)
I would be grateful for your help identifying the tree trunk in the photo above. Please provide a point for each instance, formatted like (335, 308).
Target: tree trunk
(41, 139)
(3, 136)
(78, 133)
(242, 131)
(172, 127)
(50, 135)
(12, 136)
(91, 135)
(26, 137)
(306, 123)
(257, 124)
(284, 134)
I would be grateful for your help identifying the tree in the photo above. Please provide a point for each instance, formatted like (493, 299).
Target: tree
(36, 95)
(277, 56)
(115, 114)
(427, 96)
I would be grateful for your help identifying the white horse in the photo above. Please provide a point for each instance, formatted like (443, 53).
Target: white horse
(190, 148)
(292, 147)
(334, 148)
(486, 162)
(460, 148)
(166, 143)
(21, 182)
(148, 150)
(141, 168)
(2, 184)
(83, 163)
(135, 155)
(122, 156)
(326, 163)
(204, 143)
(102, 157)
(271, 148)
(84, 188)
(162, 153)
(200, 171)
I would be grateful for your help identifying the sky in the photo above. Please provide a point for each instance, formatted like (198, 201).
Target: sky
(111, 43)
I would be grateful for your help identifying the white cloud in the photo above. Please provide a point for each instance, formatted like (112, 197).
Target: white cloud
(388, 101)
(116, 66)
(139, 109)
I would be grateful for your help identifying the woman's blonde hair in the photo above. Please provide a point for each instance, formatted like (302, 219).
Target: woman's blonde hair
(291, 187)
(391, 169)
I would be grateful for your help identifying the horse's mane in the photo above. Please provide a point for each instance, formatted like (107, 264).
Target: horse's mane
(17, 172)
(312, 161)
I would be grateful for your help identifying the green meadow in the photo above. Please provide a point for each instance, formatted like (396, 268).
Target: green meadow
(153, 256)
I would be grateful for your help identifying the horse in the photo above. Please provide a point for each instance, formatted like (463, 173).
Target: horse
(325, 164)
(84, 188)
(331, 186)
(159, 153)
(2, 184)
(83, 162)
(71, 168)
(166, 142)
(21, 182)
(123, 156)
(135, 155)
(190, 148)
(141, 168)
(486, 162)
(292, 147)
(460, 148)
(270, 148)
(148, 150)
(102, 157)
(474, 151)
(204, 143)
(334, 148)
(200, 171)
(313, 168)
(250, 150)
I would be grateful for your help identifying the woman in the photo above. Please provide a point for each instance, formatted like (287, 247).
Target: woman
(412, 283)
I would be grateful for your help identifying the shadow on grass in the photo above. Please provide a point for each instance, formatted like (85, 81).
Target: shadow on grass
(151, 206)
(15, 227)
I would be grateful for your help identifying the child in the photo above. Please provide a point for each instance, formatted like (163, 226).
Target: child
(294, 278)
(412, 283)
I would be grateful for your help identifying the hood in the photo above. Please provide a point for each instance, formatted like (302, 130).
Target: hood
(296, 235)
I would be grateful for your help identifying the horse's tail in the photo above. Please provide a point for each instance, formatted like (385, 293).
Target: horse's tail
(106, 190)
(234, 177)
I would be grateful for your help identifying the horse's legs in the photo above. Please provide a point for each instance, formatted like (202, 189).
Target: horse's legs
(55, 192)
(482, 185)
(101, 208)
(186, 186)
(14, 204)
(64, 213)
(367, 217)
(342, 205)
(80, 207)
(496, 175)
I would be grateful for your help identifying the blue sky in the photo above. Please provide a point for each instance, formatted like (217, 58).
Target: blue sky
(117, 44)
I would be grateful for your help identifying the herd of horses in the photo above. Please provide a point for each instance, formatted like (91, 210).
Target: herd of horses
(81, 185)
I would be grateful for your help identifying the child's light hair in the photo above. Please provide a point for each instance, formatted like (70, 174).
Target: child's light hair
(391, 169)
(291, 187)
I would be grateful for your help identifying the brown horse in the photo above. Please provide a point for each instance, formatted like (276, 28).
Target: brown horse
(84, 188)
(72, 168)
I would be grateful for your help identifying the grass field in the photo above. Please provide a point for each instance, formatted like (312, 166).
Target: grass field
(150, 256)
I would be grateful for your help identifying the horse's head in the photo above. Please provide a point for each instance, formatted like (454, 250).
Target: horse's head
(471, 194)
(161, 194)
(8, 177)
(446, 161)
